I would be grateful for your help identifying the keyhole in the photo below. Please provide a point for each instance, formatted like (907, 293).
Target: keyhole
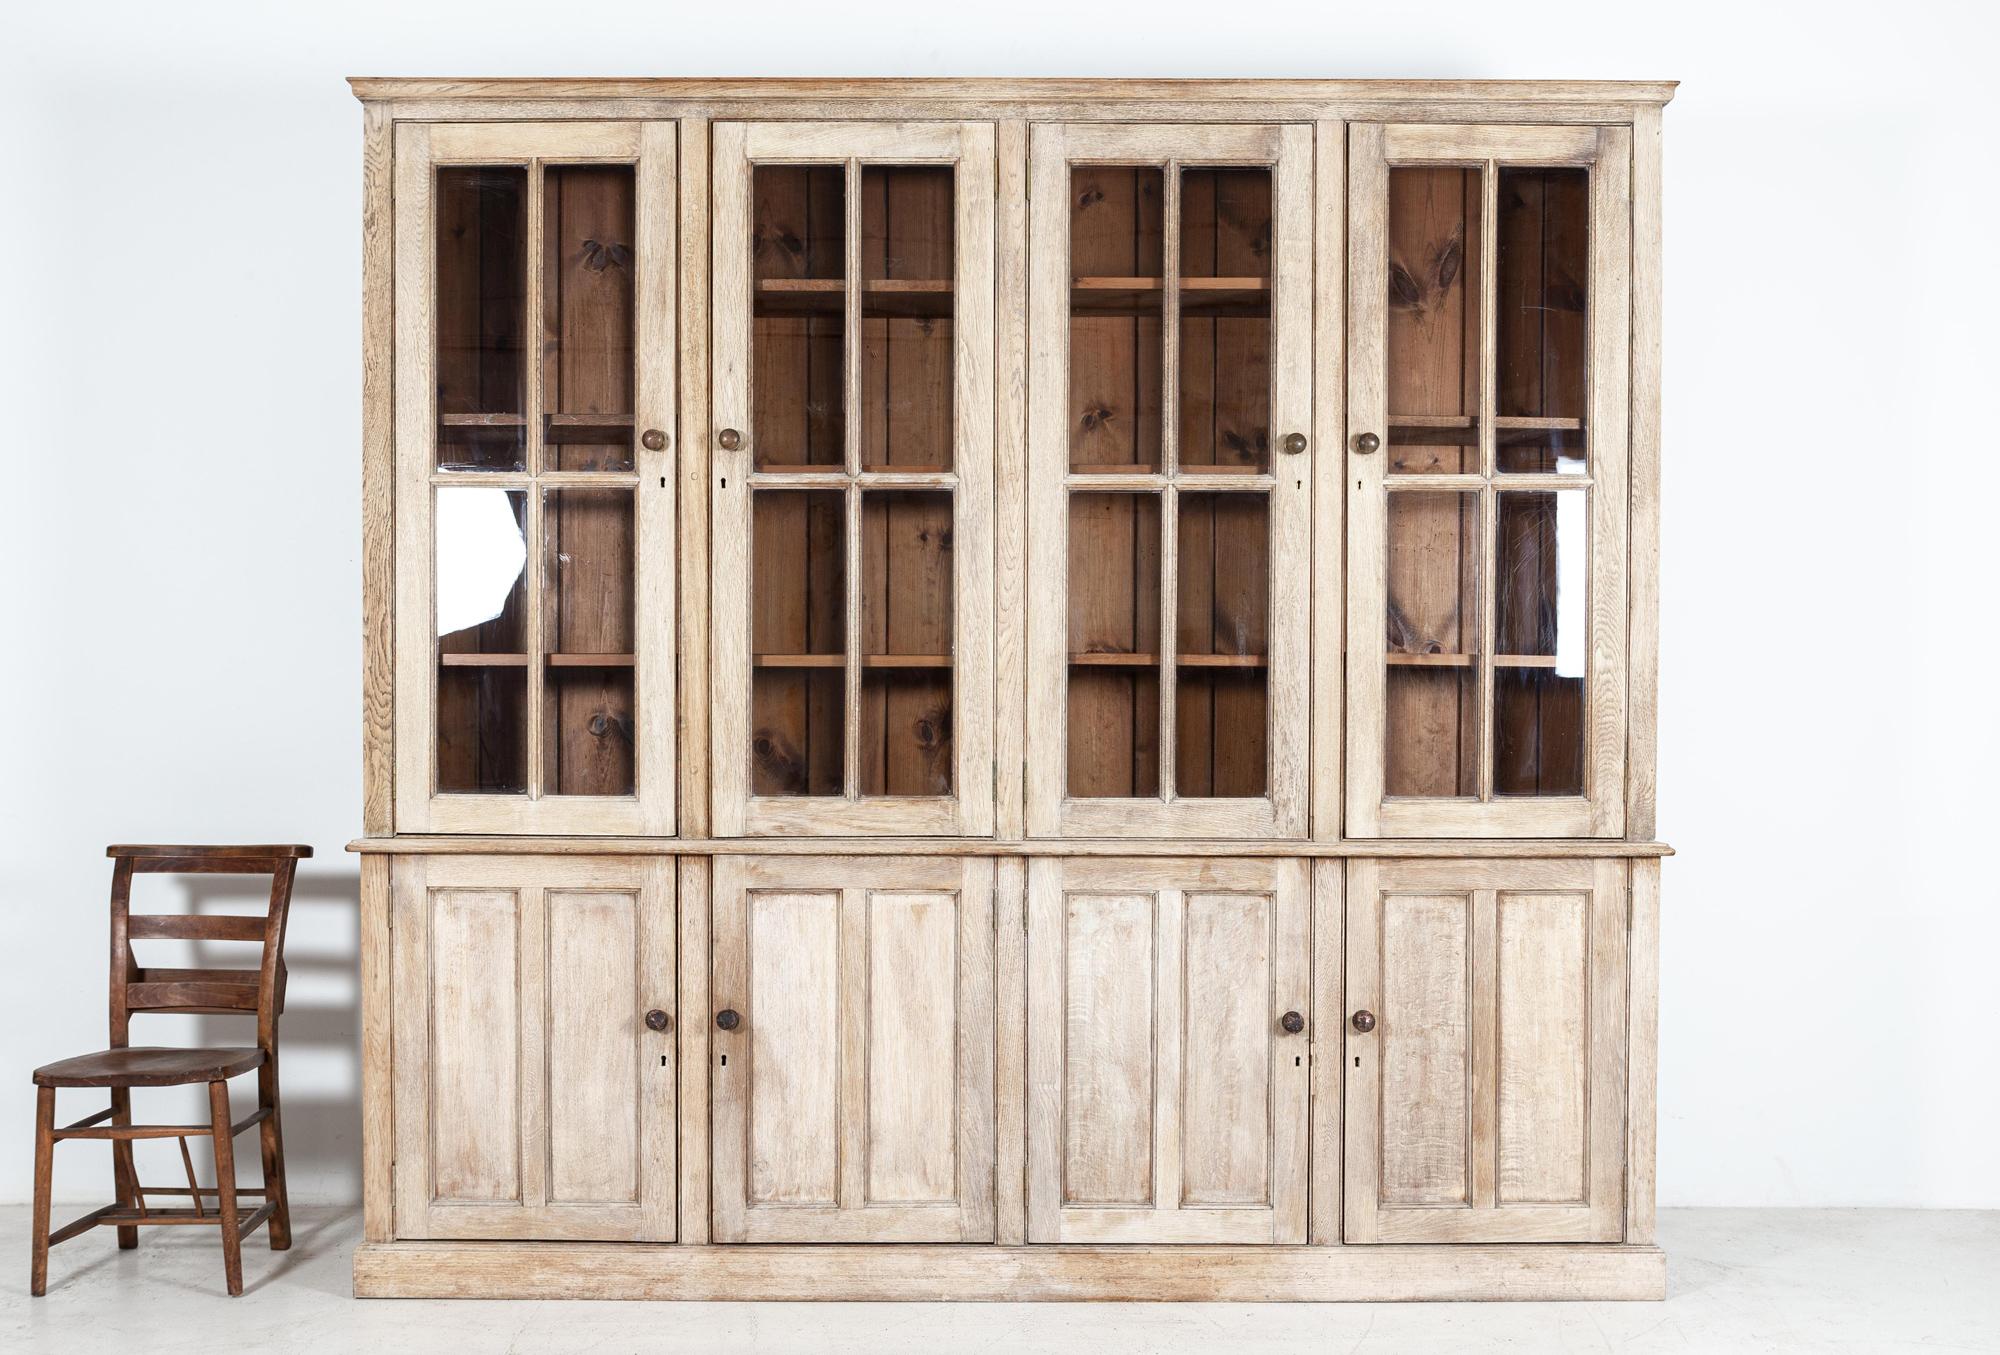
(663, 1060)
(1296, 1060)
(725, 1061)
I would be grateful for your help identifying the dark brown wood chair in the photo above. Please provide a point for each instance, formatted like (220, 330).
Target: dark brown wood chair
(122, 1067)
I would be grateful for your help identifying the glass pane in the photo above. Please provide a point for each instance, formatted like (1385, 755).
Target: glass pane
(588, 636)
(1117, 267)
(907, 612)
(1544, 319)
(482, 601)
(1431, 739)
(482, 283)
(1541, 633)
(1114, 644)
(907, 263)
(1225, 320)
(798, 638)
(588, 267)
(798, 255)
(1222, 593)
(1434, 357)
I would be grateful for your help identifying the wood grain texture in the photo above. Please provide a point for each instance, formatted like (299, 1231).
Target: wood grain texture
(378, 473)
(1204, 1274)
(378, 1101)
(693, 1026)
(1643, 676)
(1643, 1058)
(1384, 848)
(691, 463)
(1326, 1023)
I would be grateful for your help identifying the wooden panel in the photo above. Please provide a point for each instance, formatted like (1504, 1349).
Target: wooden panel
(1108, 948)
(794, 1057)
(854, 1102)
(593, 1120)
(474, 1052)
(912, 1048)
(1166, 1104)
(1487, 1103)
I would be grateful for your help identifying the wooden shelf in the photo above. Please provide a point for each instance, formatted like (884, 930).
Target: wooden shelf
(874, 661)
(1095, 660)
(1120, 468)
(1401, 660)
(1098, 295)
(559, 428)
(482, 421)
(1462, 430)
(1222, 660)
(592, 660)
(482, 660)
(911, 298)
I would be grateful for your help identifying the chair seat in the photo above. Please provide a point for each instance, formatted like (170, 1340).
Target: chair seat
(147, 1067)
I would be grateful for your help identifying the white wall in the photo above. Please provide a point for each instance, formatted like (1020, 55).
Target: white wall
(179, 645)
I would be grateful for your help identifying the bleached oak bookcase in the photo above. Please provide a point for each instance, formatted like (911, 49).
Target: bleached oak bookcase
(1010, 689)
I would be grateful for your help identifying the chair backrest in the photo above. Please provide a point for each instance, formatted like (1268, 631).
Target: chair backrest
(201, 991)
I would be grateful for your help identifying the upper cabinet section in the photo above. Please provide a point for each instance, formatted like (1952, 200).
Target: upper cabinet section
(853, 409)
(1489, 351)
(1170, 318)
(534, 419)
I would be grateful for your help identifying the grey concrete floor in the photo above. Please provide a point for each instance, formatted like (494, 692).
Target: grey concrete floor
(1739, 1280)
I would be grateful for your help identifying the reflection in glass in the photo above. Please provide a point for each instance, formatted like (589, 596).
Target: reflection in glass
(588, 284)
(798, 258)
(1114, 644)
(1543, 320)
(798, 609)
(1431, 735)
(1116, 364)
(1541, 597)
(482, 693)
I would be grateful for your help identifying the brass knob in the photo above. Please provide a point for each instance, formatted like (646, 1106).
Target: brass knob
(1295, 443)
(1367, 444)
(656, 1019)
(1364, 1021)
(1292, 1022)
(730, 439)
(653, 440)
(727, 1019)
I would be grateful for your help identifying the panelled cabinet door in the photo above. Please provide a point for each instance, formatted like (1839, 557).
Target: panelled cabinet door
(1168, 1065)
(1489, 309)
(853, 1048)
(535, 368)
(853, 407)
(1486, 1082)
(535, 1061)
(1170, 389)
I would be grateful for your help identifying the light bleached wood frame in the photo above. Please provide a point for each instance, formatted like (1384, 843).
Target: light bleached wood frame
(392, 1261)
(968, 148)
(1181, 1001)
(517, 1031)
(420, 151)
(1374, 150)
(873, 1008)
(1289, 485)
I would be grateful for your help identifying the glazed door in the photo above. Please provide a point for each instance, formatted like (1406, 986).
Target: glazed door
(1486, 1051)
(534, 1047)
(1487, 390)
(853, 323)
(853, 1048)
(1170, 389)
(1168, 1064)
(534, 497)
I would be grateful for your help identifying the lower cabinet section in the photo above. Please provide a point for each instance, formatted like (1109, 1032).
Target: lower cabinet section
(1167, 1077)
(1486, 1086)
(1129, 1060)
(534, 1047)
(852, 1077)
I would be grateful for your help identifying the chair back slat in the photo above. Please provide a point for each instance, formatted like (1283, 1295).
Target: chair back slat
(183, 996)
(196, 927)
(211, 989)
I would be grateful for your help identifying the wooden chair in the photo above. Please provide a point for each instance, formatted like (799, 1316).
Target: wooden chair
(123, 1066)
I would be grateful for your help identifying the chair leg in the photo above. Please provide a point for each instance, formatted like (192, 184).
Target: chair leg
(122, 1171)
(225, 1185)
(271, 1138)
(45, 1153)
